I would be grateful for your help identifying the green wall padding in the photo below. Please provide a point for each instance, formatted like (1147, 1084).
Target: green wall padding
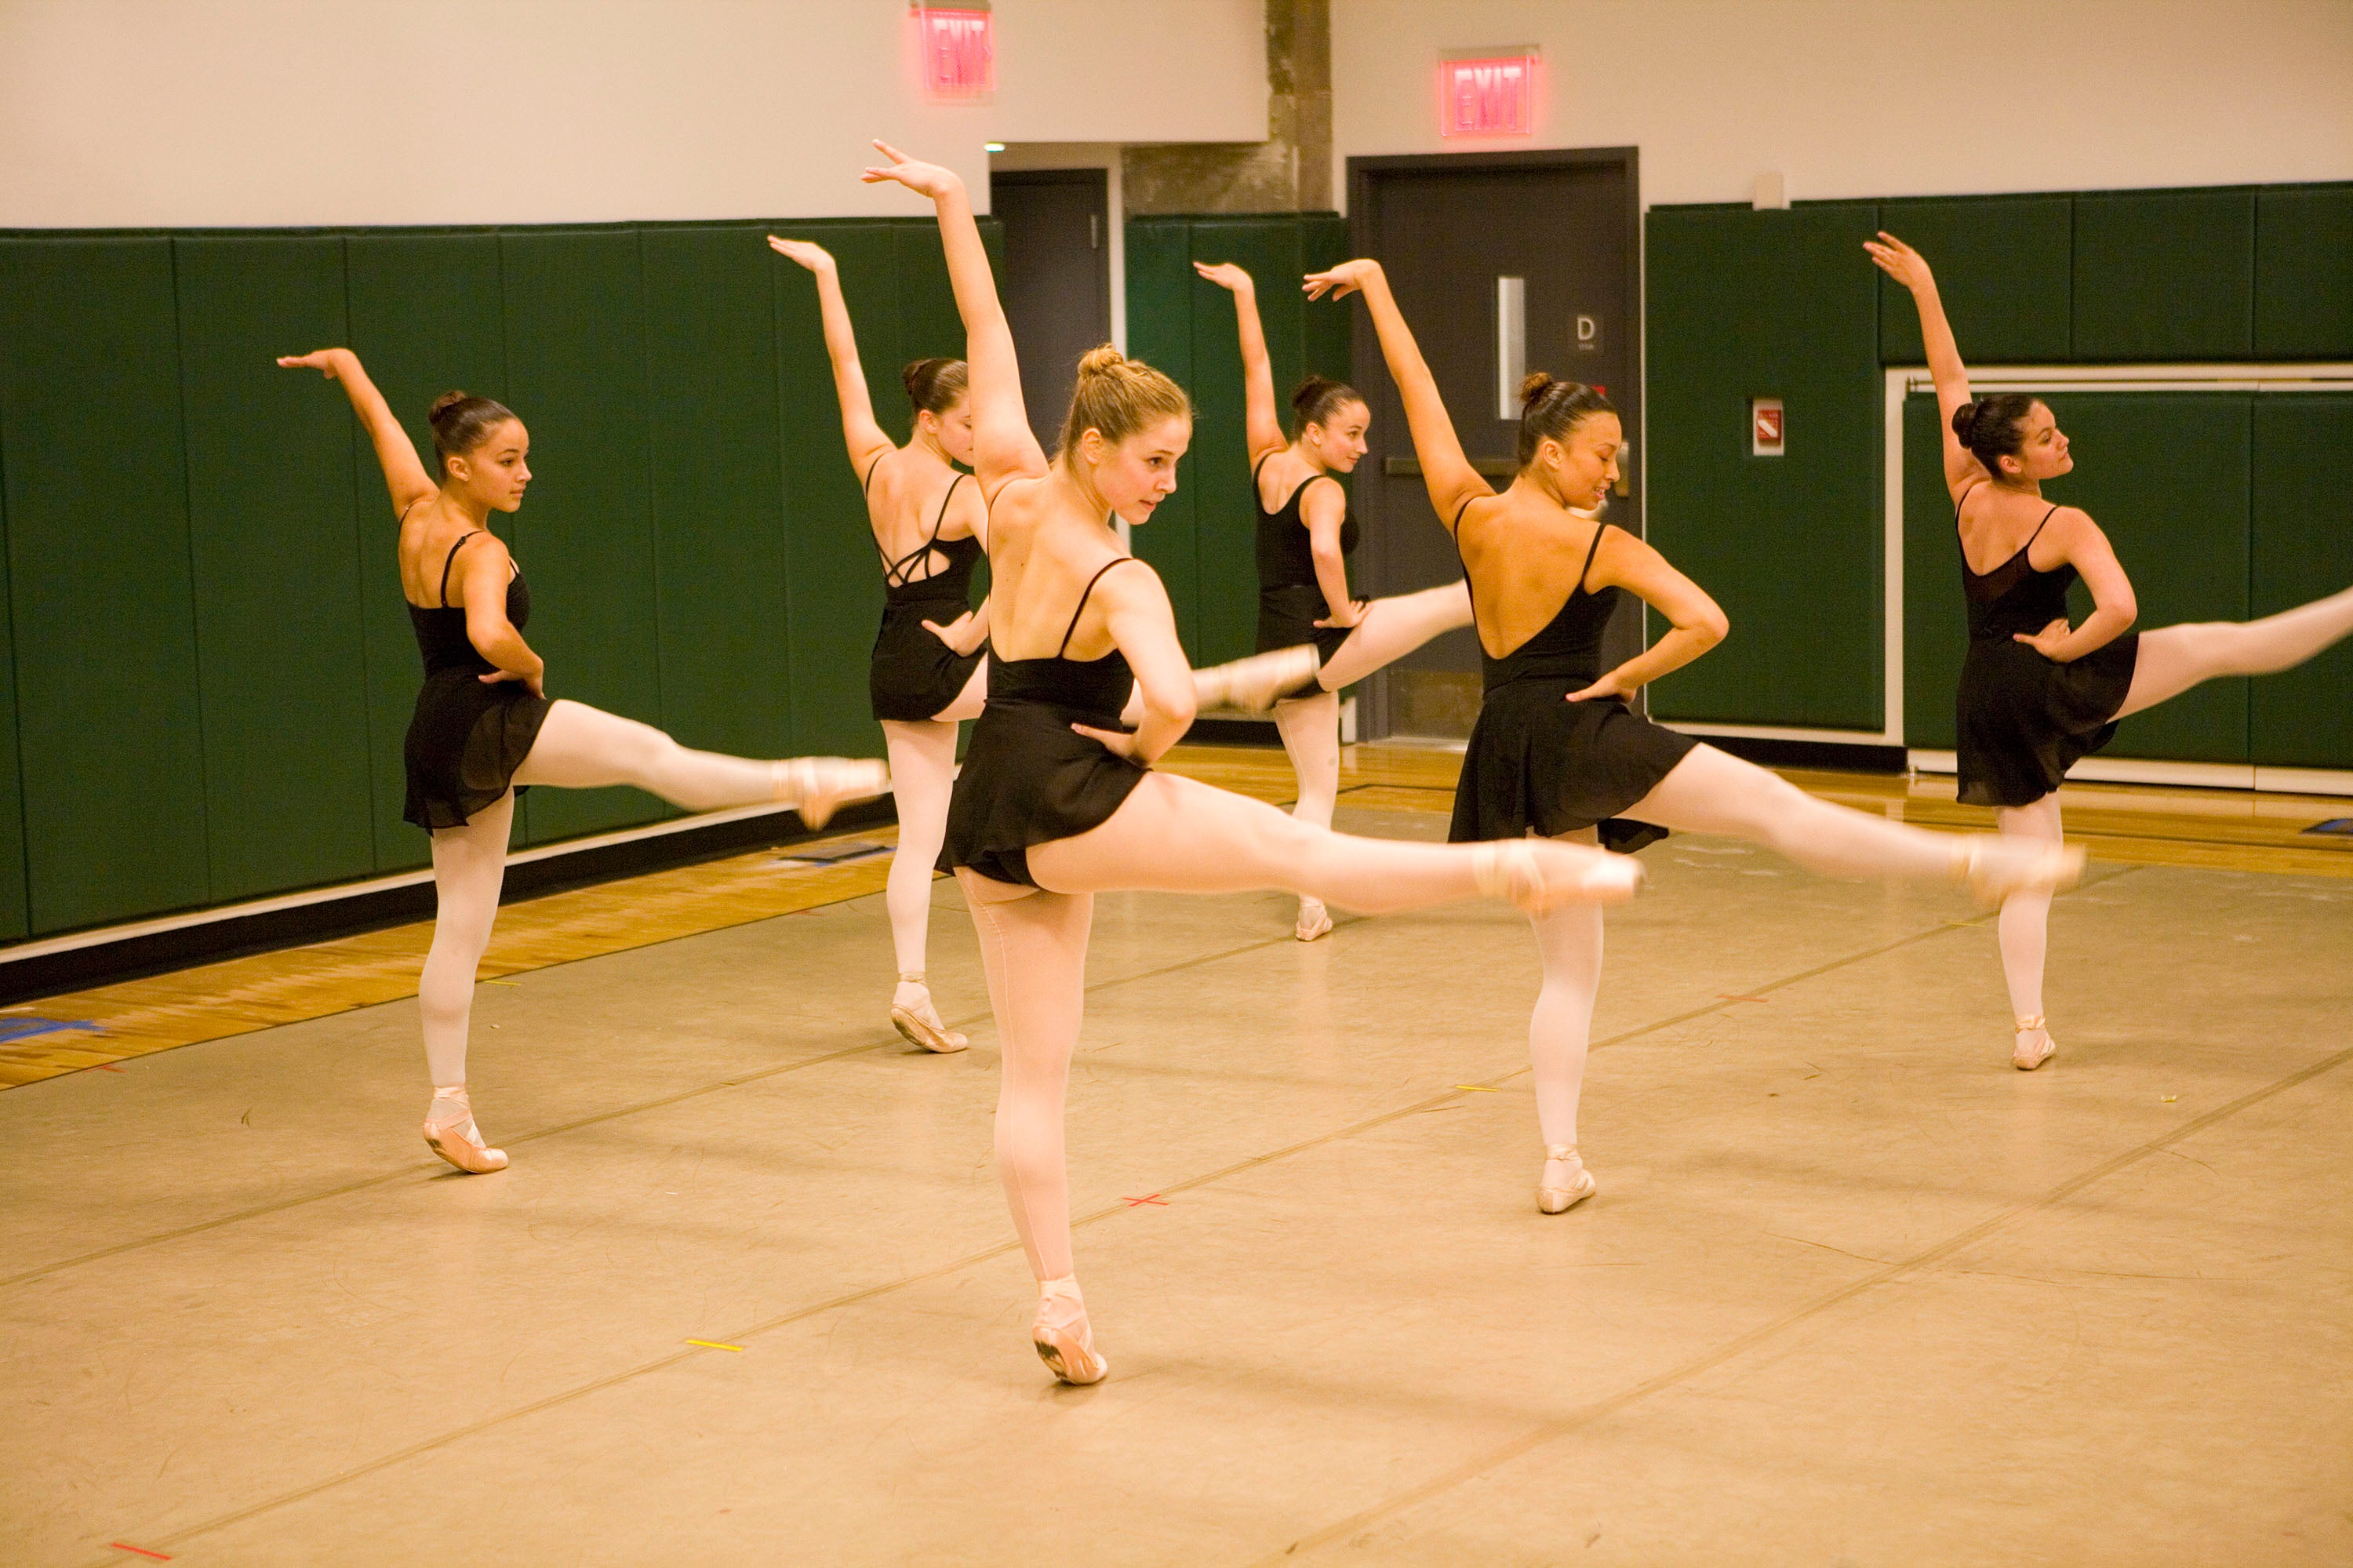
(2303, 273)
(574, 306)
(1160, 285)
(277, 566)
(2165, 275)
(425, 319)
(100, 596)
(1935, 612)
(2004, 269)
(2166, 476)
(12, 800)
(2303, 549)
(1745, 304)
(718, 490)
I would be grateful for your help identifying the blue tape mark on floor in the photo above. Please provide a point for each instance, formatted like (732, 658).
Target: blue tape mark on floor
(2341, 825)
(25, 1028)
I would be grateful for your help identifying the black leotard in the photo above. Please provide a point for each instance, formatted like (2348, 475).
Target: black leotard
(1290, 599)
(913, 675)
(467, 736)
(1538, 761)
(1028, 778)
(2021, 719)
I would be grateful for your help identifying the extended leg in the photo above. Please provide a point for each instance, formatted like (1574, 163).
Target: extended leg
(922, 770)
(2173, 658)
(468, 867)
(581, 747)
(1393, 628)
(2024, 933)
(1310, 728)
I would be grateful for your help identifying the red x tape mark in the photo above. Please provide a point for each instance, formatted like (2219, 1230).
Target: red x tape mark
(1147, 1198)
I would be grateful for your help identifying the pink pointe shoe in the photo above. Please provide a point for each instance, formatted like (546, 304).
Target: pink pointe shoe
(1061, 1336)
(449, 1129)
(1565, 1183)
(1541, 874)
(2031, 1051)
(1315, 920)
(918, 1021)
(816, 786)
(1253, 685)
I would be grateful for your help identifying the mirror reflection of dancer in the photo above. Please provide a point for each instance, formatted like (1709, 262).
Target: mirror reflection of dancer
(1557, 749)
(1305, 538)
(485, 726)
(1056, 803)
(930, 669)
(2037, 693)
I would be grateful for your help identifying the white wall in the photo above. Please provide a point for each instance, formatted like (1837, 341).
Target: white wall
(1870, 98)
(236, 113)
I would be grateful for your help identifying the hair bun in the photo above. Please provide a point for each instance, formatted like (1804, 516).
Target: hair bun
(1965, 418)
(444, 403)
(1309, 392)
(1533, 386)
(1100, 361)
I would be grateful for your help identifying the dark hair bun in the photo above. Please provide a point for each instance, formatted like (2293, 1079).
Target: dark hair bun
(935, 384)
(1318, 400)
(461, 422)
(444, 403)
(1533, 386)
(1304, 395)
(1965, 419)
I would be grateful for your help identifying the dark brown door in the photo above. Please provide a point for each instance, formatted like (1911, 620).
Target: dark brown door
(1056, 280)
(1503, 263)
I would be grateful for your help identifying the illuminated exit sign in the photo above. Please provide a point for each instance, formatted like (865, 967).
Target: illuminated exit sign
(1489, 95)
(959, 51)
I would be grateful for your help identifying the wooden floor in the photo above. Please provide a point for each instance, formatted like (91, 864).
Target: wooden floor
(2124, 824)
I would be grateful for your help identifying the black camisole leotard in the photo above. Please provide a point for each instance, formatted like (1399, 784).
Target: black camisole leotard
(2021, 720)
(1028, 778)
(1289, 599)
(467, 736)
(1538, 761)
(913, 675)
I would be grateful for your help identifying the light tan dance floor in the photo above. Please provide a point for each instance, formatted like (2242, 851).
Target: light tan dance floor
(1852, 1291)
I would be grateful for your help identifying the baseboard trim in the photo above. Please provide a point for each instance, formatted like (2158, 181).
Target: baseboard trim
(80, 959)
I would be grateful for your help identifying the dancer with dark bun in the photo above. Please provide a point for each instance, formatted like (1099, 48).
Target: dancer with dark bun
(1057, 802)
(2038, 693)
(1558, 751)
(485, 726)
(1305, 538)
(930, 667)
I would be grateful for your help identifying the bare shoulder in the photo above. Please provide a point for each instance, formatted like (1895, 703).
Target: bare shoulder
(1128, 583)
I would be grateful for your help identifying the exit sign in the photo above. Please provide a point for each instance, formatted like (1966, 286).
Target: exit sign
(1488, 95)
(958, 49)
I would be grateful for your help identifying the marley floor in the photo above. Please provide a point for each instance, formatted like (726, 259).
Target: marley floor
(1852, 1291)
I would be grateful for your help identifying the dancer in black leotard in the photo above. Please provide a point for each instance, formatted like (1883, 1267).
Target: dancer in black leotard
(1557, 750)
(1305, 538)
(2037, 693)
(484, 728)
(1056, 802)
(929, 671)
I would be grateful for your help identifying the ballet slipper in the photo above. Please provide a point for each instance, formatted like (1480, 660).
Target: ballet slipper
(1565, 1183)
(2026, 1056)
(1315, 920)
(1254, 684)
(1061, 1333)
(914, 1017)
(449, 1128)
(1994, 866)
(1539, 875)
(816, 786)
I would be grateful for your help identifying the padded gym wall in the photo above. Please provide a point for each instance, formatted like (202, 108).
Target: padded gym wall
(1202, 540)
(206, 669)
(1745, 304)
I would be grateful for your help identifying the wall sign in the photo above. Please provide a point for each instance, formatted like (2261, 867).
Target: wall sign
(1766, 433)
(958, 47)
(1492, 93)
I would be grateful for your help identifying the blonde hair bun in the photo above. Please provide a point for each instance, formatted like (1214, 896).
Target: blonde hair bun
(1116, 397)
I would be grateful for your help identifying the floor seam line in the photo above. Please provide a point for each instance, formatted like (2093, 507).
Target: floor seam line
(1732, 1349)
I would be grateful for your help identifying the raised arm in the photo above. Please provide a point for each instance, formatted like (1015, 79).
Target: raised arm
(404, 473)
(2113, 607)
(1909, 268)
(1445, 472)
(1002, 447)
(1261, 427)
(865, 438)
(1696, 623)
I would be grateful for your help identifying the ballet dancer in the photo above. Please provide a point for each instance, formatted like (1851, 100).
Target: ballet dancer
(485, 726)
(1057, 803)
(2037, 693)
(930, 667)
(1305, 538)
(1557, 751)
